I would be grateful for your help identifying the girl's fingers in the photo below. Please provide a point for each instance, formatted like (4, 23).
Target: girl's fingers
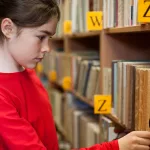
(142, 147)
(142, 141)
(142, 134)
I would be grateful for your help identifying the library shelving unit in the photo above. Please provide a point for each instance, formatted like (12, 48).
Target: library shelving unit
(127, 43)
(120, 43)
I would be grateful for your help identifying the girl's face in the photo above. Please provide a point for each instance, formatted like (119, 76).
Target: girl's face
(30, 46)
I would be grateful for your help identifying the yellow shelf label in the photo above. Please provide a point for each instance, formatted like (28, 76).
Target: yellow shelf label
(52, 76)
(67, 27)
(143, 11)
(94, 20)
(39, 68)
(66, 83)
(102, 104)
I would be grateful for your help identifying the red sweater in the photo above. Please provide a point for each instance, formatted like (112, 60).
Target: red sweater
(26, 121)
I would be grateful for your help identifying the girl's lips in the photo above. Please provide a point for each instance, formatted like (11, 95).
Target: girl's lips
(38, 59)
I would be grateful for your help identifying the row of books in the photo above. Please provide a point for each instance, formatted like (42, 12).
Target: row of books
(120, 13)
(81, 126)
(116, 13)
(88, 78)
(130, 92)
(75, 11)
(83, 68)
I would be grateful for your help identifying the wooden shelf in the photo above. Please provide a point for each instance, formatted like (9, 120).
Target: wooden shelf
(83, 35)
(90, 103)
(77, 35)
(132, 29)
(82, 98)
(57, 86)
(115, 120)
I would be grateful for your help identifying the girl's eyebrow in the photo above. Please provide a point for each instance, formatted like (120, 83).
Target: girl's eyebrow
(47, 32)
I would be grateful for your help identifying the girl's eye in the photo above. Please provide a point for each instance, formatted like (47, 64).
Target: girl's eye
(41, 37)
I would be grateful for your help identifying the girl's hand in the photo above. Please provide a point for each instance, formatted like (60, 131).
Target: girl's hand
(136, 140)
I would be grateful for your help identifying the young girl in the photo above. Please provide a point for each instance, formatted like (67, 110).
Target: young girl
(26, 121)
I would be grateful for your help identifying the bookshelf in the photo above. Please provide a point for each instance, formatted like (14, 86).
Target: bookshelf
(128, 43)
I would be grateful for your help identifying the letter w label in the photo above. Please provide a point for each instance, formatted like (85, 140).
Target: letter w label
(94, 20)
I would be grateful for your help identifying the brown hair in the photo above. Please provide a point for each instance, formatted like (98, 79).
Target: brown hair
(28, 13)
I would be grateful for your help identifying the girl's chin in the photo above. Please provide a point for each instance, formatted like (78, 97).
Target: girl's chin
(30, 66)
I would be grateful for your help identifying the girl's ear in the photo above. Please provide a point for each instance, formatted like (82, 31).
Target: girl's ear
(8, 28)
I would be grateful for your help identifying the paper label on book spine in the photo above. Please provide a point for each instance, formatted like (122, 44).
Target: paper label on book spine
(94, 20)
(66, 84)
(143, 11)
(102, 104)
(67, 27)
(52, 76)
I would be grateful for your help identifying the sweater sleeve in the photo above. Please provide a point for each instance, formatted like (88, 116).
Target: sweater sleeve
(113, 145)
(16, 133)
